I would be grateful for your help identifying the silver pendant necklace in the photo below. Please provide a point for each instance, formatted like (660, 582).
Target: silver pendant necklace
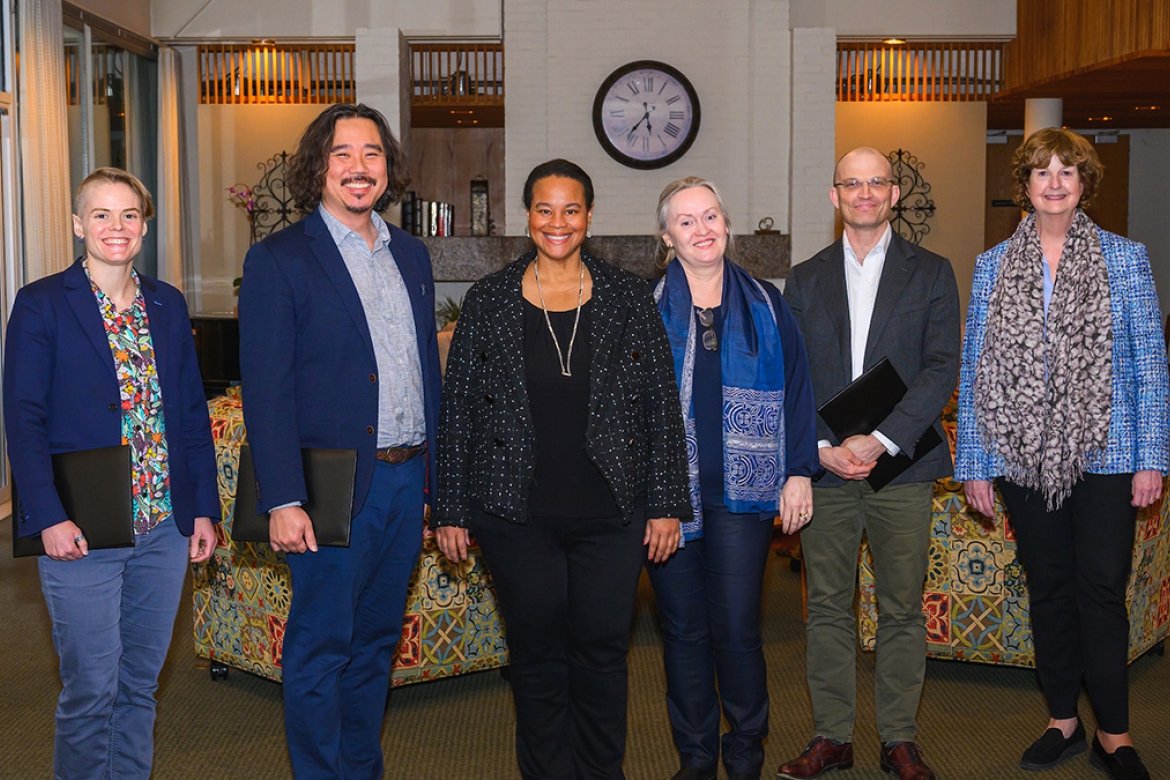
(568, 356)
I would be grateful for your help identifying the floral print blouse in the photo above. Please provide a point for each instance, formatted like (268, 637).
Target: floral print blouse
(143, 426)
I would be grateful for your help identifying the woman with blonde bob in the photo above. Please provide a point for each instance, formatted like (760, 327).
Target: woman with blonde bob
(747, 405)
(100, 356)
(1063, 406)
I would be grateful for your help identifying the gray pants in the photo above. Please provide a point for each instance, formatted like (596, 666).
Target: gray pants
(896, 521)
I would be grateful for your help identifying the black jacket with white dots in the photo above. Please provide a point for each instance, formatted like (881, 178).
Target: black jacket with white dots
(634, 434)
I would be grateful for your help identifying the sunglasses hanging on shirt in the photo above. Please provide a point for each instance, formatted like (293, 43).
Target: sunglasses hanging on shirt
(707, 320)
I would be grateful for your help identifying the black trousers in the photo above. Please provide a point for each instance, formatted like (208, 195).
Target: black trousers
(566, 589)
(1077, 561)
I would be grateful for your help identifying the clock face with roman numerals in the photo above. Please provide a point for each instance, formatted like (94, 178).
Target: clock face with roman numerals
(646, 114)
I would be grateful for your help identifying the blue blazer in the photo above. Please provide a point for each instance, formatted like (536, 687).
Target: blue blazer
(61, 394)
(1139, 421)
(310, 378)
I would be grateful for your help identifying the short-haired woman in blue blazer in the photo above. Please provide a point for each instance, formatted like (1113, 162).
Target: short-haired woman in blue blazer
(98, 356)
(1063, 403)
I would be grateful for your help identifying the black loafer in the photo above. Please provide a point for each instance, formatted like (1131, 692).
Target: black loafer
(1122, 764)
(1054, 748)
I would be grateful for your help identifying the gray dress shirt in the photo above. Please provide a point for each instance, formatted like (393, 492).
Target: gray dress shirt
(379, 284)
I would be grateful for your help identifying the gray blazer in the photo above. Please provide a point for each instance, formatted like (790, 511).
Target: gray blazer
(915, 324)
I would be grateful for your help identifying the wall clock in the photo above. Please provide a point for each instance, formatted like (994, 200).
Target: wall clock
(646, 114)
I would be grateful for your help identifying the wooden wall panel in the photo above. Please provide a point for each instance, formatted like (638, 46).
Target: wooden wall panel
(1057, 37)
(443, 161)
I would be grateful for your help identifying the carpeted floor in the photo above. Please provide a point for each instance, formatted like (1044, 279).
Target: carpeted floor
(974, 720)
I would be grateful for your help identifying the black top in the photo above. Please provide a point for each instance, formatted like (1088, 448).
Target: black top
(707, 394)
(566, 483)
(634, 432)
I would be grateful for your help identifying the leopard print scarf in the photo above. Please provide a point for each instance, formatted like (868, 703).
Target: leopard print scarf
(1043, 389)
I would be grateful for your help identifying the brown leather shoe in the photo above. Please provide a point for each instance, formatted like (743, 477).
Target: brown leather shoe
(905, 760)
(819, 756)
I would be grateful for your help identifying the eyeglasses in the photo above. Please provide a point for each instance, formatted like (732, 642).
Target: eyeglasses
(877, 184)
(707, 319)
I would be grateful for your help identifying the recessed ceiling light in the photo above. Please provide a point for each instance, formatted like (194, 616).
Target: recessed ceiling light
(894, 41)
(1102, 118)
(1147, 108)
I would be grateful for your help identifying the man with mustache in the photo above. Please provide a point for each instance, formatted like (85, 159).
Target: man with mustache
(338, 350)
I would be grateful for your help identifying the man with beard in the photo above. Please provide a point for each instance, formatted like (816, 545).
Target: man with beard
(338, 350)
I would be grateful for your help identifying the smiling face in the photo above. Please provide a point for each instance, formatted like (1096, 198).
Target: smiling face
(110, 222)
(696, 227)
(356, 176)
(866, 207)
(1055, 190)
(558, 218)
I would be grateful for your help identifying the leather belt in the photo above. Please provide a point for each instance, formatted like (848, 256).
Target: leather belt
(396, 455)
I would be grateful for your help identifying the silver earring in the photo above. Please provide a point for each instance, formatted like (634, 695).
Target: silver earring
(588, 233)
(526, 234)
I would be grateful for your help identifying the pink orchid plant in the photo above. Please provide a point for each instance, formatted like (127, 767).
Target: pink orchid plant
(241, 195)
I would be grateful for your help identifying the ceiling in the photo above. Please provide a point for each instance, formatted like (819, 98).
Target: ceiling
(1123, 90)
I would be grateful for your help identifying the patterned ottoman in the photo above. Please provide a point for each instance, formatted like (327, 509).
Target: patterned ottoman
(242, 594)
(975, 597)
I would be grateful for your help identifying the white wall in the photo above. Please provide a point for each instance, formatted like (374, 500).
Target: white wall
(813, 151)
(134, 15)
(1149, 192)
(910, 18)
(950, 139)
(735, 53)
(320, 18)
(232, 141)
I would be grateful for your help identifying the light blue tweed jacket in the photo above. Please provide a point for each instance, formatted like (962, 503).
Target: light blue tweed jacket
(1139, 425)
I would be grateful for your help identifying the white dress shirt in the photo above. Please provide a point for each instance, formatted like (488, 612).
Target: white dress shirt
(862, 278)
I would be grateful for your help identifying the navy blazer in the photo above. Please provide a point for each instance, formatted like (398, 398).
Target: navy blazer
(310, 377)
(915, 324)
(61, 394)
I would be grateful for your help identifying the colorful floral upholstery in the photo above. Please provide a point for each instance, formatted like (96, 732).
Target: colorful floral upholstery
(242, 594)
(975, 597)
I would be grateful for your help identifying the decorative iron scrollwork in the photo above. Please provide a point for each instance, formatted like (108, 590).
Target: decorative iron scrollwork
(914, 208)
(274, 206)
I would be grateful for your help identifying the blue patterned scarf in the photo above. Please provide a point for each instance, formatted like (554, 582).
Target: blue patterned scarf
(752, 363)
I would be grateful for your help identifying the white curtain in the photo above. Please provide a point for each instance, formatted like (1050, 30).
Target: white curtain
(44, 139)
(133, 124)
(172, 243)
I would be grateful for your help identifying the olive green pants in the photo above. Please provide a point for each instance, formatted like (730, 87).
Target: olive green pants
(896, 521)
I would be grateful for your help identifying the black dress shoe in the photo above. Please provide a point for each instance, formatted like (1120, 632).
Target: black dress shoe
(694, 773)
(1054, 748)
(1121, 764)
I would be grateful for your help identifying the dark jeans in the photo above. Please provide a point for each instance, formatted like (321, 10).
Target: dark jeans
(566, 591)
(1077, 562)
(343, 627)
(708, 598)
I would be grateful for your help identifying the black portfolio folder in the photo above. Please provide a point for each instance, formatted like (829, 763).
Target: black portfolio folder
(94, 487)
(862, 405)
(329, 480)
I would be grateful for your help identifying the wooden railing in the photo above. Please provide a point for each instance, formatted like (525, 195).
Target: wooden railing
(456, 84)
(934, 71)
(234, 73)
(457, 73)
(105, 65)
